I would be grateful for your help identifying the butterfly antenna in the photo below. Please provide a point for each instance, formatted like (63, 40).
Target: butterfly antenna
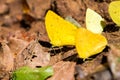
(53, 49)
(87, 59)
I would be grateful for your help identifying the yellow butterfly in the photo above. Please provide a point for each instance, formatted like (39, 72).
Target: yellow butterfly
(114, 11)
(94, 22)
(89, 43)
(60, 31)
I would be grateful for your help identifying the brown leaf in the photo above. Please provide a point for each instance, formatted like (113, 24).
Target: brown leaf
(5, 33)
(26, 36)
(89, 67)
(61, 56)
(15, 10)
(101, 75)
(6, 57)
(3, 9)
(63, 71)
(39, 28)
(114, 61)
(75, 9)
(40, 7)
(17, 45)
(34, 55)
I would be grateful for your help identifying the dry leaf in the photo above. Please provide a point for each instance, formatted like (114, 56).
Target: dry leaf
(6, 57)
(89, 67)
(17, 45)
(63, 71)
(114, 61)
(35, 56)
(39, 7)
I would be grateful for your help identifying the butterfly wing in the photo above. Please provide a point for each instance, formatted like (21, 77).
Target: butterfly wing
(114, 11)
(88, 43)
(94, 22)
(60, 31)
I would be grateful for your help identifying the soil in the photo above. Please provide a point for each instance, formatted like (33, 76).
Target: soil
(24, 40)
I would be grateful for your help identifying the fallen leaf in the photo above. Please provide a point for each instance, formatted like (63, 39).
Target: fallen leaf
(40, 7)
(17, 45)
(39, 28)
(89, 67)
(63, 71)
(6, 57)
(113, 59)
(4, 9)
(27, 73)
(62, 56)
(34, 55)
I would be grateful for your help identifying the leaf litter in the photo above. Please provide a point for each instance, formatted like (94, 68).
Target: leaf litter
(24, 41)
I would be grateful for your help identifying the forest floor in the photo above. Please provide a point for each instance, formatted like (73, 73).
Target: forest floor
(24, 40)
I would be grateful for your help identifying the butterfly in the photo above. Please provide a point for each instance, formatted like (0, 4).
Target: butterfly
(62, 32)
(114, 11)
(94, 22)
(89, 43)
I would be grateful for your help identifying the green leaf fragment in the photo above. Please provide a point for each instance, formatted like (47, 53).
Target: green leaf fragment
(119, 59)
(27, 73)
(73, 21)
